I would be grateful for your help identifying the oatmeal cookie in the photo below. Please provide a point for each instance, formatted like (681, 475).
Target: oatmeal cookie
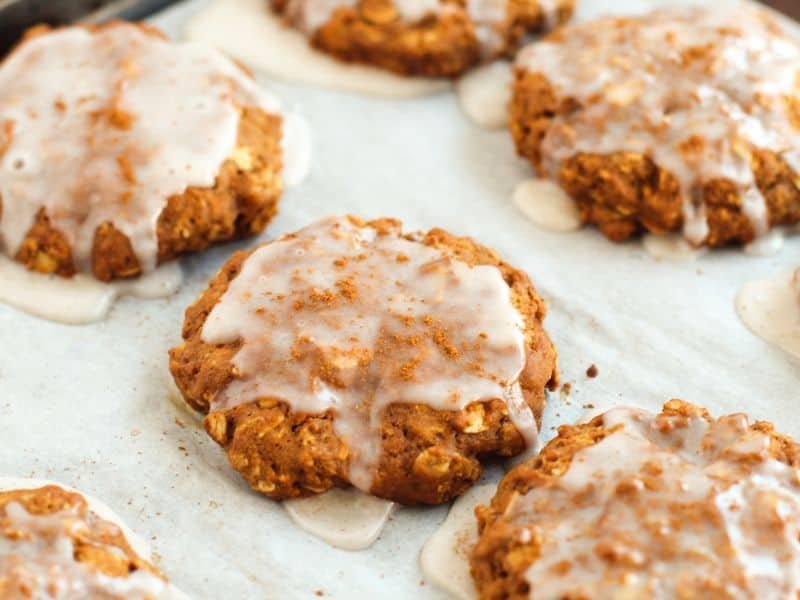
(682, 120)
(163, 149)
(635, 505)
(350, 353)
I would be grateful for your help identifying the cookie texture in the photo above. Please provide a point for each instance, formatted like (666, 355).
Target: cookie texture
(683, 120)
(112, 219)
(674, 505)
(38, 526)
(430, 38)
(404, 450)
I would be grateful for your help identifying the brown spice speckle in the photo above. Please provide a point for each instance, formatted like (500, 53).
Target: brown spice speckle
(126, 169)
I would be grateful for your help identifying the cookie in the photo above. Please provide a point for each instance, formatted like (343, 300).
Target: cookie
(420, 37)
(163, 149)
(351, 353)
(636, 505)
(681, 120)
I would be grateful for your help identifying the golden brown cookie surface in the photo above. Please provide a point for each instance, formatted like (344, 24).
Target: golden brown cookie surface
(355, 383)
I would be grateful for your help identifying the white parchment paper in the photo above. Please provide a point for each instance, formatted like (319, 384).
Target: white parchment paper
(93, 406)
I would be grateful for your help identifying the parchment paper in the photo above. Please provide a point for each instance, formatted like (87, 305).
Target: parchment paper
(93, 406)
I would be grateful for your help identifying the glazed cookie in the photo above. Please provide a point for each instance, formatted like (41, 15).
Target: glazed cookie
(635, 505)
(350, 353)
(54, 545)
(682, 120)
(162, 149)
(435, 38)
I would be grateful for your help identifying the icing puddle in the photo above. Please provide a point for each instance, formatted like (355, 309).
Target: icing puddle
(484, 93)
(546, 205)
(102, 510)
(770, 308)
(445, 556)
(767, 245)
(345, 518)
(81, 299)
(670, 247)
(249, 31)
(296, 148)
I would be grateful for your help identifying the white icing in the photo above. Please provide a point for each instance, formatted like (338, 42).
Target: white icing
(296, 149)
(670, 247)
(42, 559)
(444, 559)
(484, 93)
(550, 10)
(770, 308)
(341, 318)
(489, 18)
(247, 30)
(415, 10)
(546, 205)
(310, 15)
(590, 413)
(666, 507)
(347, 519)
(69, 154)
(82, 298)
(647, 84)
(766, 245)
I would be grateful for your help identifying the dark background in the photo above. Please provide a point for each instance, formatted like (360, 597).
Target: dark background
(790, 7)
(16, 15)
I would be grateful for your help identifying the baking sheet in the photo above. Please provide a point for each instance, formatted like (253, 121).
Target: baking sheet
(93, 406)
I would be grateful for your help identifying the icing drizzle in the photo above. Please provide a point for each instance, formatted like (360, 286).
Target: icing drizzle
(770, 308)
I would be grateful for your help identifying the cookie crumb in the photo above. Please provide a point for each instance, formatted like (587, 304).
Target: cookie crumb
(592, 371)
